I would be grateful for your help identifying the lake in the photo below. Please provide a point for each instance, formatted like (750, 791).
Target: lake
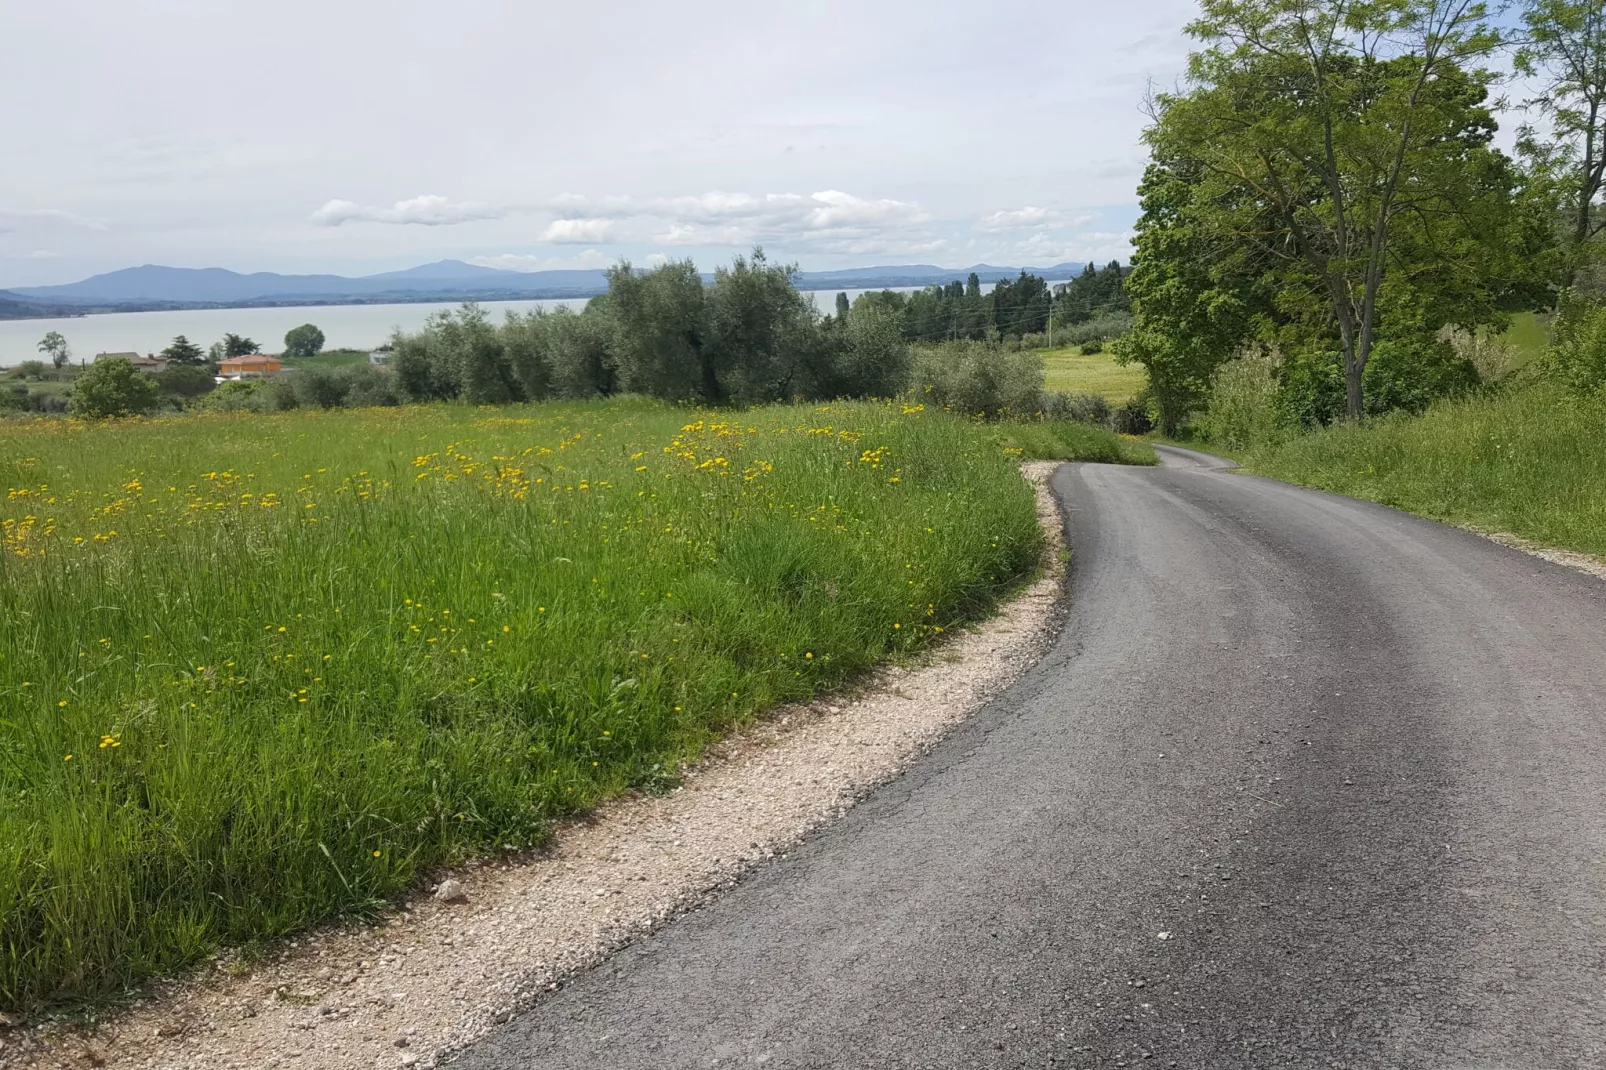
(343, 326)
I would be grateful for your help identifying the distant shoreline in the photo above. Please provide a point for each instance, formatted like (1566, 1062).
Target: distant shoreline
(79, 309)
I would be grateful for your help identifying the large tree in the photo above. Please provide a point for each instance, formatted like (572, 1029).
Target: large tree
(1565, 49)
(303, 341)
(1334, 134)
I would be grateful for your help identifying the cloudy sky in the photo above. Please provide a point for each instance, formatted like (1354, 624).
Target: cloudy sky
(350, 136)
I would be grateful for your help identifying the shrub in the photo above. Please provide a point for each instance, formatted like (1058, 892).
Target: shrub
(112, 388)
(1577, 356)
(320, 388)
(1241, 410)
(1092, 348)
(1133, 418)
(982, 379)
(233, 395)
(368, 387)
(185, 381)
(31, 369)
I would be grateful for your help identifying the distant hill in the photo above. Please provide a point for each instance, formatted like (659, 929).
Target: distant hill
(14, 306)
(153, 286)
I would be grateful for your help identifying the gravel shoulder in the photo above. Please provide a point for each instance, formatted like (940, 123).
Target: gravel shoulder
(437, 974)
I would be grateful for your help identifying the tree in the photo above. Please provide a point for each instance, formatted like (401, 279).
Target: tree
(1190, 292)
(184, 351)
(1333, 127)
(303, 341)
(662, 341)
(112, 387)
(842, 306)
(55, 346)
(1566, 47)
(235, 345)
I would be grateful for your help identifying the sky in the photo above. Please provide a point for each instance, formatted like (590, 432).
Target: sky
(350, 137)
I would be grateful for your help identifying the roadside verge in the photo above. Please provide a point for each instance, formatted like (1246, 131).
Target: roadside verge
(443, 969)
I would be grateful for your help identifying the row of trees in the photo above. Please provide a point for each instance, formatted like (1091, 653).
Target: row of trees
(1327, 189)
(1014, 308)
(748, 337)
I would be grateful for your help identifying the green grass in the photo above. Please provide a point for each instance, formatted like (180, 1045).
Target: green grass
(260, 670)
(1529, 334)
(1067, 440)
(1067, 370)
(1528, 461)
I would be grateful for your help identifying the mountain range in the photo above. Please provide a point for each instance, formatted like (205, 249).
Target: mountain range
(153, 286)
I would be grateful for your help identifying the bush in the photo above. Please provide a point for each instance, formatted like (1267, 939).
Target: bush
(31, 369)
(1105, 327)
(233, 395)
(1092, 348)
(1408, 375)
(1241, 410)
(1577, 357)
(112, 388)
(368, 387)
(982, 379)
(185, 381)
(320, 388)
(1132, 418)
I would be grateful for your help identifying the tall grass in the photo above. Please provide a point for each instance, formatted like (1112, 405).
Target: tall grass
(259, 670)
(1527, 460)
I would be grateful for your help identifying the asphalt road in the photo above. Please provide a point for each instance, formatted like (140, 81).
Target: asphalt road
(1306, 782)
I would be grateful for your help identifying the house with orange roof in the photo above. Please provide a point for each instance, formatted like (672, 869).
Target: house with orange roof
(250, 366)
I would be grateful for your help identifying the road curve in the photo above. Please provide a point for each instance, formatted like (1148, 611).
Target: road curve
(1306, 782)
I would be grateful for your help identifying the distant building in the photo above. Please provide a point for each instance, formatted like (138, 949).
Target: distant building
(147, 364)
(250, 366)
(380, 356)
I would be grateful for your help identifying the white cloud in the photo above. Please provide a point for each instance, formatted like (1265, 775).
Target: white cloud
(656, 260)
(38, 254)
(18, 219)
(829, 220)
(1029, 218)
(425, 210)
(580, 231)
(589, 258)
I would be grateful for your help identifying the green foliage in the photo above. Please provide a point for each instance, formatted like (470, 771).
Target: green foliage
(981, 379)
(185, 381)
(54, 346)
(1243, 405)
(1577, 355)
(1338, 185)
(1096, 292)
(232, 395)
(320, 388)
(183, 351)
(1564, 48)
(1527, 461)
(348, 647)
(303, 341)
(30, 369)
(112, 387)
(234, 345)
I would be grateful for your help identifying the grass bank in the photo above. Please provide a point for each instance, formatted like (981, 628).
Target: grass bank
(1067, 440)
(259, 670)
(1527, 460)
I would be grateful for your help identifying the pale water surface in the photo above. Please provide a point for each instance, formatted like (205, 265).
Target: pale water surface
(343, 326)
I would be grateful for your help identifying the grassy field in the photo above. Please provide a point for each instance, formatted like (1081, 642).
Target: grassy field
(1069, 441)
(1529, 334)
(1526, 460)
(1067, 370)
(260, 670)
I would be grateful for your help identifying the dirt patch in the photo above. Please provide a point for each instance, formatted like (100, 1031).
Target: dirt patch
(443, 969)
